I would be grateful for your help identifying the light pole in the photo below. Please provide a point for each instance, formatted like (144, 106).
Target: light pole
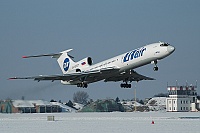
(135, 98)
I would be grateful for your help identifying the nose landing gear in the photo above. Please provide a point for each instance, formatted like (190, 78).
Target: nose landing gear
(156, 67)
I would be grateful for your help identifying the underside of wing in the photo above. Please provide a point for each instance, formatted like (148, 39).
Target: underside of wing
(88, 76)
(128, 76)
(106, 74)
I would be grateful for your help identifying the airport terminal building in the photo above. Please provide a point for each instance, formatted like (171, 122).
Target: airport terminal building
(182, 99)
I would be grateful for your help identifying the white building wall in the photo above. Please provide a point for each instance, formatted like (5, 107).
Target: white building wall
(178, 104)
(193, 107)
(171, 104)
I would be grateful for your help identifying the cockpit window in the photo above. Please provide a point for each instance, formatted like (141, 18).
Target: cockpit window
(164, 44)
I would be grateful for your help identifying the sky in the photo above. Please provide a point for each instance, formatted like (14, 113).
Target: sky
(99, 29)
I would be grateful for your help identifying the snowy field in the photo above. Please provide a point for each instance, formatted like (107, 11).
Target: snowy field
(115, 122)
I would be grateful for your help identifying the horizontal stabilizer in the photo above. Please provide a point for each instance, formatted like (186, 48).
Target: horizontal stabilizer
(56, 55)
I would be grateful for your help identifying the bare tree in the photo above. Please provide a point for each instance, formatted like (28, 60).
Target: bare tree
(81, 97)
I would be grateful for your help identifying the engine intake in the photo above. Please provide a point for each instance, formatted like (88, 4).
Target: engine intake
(84, 63)
(89, 60)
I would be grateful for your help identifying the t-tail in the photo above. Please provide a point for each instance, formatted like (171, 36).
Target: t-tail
(66, 63)
(63, 58)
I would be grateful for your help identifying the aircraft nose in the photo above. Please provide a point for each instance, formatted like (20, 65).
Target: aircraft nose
(170, 49)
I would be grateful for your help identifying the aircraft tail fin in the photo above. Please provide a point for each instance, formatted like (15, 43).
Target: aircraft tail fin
(63, 58)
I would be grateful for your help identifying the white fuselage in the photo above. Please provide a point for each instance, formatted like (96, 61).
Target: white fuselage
(132, 59)
(135, 58)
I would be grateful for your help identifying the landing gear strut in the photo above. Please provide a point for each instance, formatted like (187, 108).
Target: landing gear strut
(83, 85)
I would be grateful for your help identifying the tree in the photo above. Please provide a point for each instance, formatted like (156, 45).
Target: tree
(70, 104)
(81, 97)
(117, 100)
(141, 102)
(90, 101)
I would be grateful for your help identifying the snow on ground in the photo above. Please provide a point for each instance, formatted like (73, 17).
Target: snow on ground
(64, 107)
(157, 101)
(78, 106)
(116, 122)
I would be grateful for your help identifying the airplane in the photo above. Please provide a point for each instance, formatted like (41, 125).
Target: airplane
(119, 68)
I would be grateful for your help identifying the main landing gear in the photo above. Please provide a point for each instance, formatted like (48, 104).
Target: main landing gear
(83, 85)
(126, 85)
(156, 67)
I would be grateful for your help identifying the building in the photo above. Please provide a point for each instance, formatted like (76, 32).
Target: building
(182, 99)
(32, 106)
(6, 106)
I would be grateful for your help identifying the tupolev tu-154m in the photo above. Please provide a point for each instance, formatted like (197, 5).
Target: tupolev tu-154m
(119, 68)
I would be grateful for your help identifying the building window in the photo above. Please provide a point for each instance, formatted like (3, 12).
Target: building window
(181, 108)
(186, 108)
(186, 101)
(174, 108)
(193, 99)
(170, 108)
(190, 108)
(181, 103)
(174, 102)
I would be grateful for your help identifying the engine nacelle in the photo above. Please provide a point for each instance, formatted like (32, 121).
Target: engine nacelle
(82, 64)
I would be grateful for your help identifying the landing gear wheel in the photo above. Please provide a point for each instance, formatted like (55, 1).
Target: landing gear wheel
(125, 85)
(122, 85)
(129, 85)
(79, 85)
(83, 85)
(155, 68)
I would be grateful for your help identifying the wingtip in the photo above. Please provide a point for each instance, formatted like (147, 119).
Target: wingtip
(24, 57)
(12, 78)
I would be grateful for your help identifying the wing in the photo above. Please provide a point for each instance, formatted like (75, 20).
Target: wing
(130, 76)
(106, 74)
(88, 76)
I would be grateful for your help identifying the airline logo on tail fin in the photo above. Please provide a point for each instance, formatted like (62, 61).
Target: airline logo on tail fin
(66, 64)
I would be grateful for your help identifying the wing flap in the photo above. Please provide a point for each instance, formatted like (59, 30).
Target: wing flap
(133, 76)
